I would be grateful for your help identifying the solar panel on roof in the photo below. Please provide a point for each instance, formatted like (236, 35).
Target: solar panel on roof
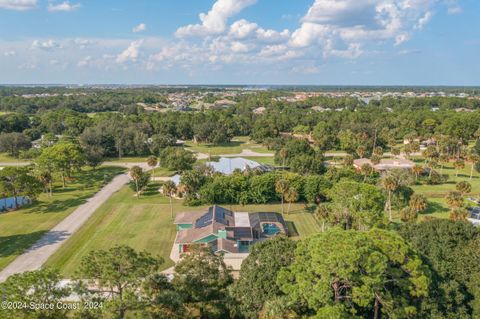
(242, 232)
(205, 220)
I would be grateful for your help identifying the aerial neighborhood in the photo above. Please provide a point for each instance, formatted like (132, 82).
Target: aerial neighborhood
(239, 159)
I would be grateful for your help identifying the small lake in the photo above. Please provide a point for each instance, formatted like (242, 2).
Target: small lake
(9, 202)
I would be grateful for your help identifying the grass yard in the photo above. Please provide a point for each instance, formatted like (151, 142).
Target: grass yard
(262, 160)
(145, 224)
(5, 158)
(22, 228)
(139, 159)
(236, 146)
(436, 193)
(162, 172)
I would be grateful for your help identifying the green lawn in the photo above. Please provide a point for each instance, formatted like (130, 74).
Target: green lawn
(163, 172)
(436, 193)
(145, 224)
(262, 160)
(139, 159)
(236, 146)
(5, 158)
(22, 228)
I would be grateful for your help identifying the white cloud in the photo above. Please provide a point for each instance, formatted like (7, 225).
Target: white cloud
(65, 6)
(342, 27)
(215, 21)
(312, 69)
(453, 7)
(309, 33)
(242, 29)
(424, 20)
(9, 53)
(139, 28)
(45, 45)
(131, 53)
(84, 62)
(19, 5)
(240, 47)
(401, 38)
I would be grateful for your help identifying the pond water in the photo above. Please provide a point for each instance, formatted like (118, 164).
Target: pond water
(9, 202)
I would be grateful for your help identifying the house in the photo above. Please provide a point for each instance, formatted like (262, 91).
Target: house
(259, 110)
(225, 231)
(474, 216)
(227, 165)
(385, 164)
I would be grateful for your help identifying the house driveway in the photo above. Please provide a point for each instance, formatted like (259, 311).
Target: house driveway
(37, 255)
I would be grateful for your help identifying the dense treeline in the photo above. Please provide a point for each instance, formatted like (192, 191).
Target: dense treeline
(135, 132)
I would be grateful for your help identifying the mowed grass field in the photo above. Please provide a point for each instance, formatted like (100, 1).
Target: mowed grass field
(146, 225)
(22, 228)
(5, 158)
(236, 146)
(436, 193)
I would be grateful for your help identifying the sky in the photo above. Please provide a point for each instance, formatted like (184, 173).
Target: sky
(283, 42)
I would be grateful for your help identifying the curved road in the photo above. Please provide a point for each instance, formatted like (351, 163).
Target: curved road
(37, 255)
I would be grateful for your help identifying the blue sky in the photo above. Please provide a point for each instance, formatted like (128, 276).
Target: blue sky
(322, 42)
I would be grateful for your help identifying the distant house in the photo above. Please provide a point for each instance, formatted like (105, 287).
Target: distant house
(41, 141)
(224, 103)
(474, 216)
(227, 165)
(385, 164)
(225, 231)
(259, 110)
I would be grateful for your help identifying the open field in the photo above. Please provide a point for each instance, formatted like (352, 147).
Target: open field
(145, 224)
(436, 193)
(5, 158)
(236, 146)
(139, 159)
(22, 228)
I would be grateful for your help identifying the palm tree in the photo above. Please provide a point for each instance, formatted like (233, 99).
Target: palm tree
(361, 151)
(378, 151)
(375, 159)
(283, 153)
(442, 159)
(136, 173)
(463, 187)
(459, 164)
(418, 203)
(389, 184)
(46, 179)
(407, 149)
(291, 196)
(168, 190)
(473, 158)
(366, 170)
(458, 214)
(395, 151)
(454, 200)
(152, 162)
(417, 170)
(281, 187)
(348, 160)
(323, 213)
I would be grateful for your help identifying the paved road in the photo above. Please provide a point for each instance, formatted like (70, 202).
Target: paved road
(2, 164)
(38, 254)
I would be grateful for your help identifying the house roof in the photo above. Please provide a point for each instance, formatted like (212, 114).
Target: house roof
(226, 245)
(191, 235)
(385, 163)
(188, 217)
(228, 165)
(239, 226)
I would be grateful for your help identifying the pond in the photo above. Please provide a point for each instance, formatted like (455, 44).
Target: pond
(9, 202)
